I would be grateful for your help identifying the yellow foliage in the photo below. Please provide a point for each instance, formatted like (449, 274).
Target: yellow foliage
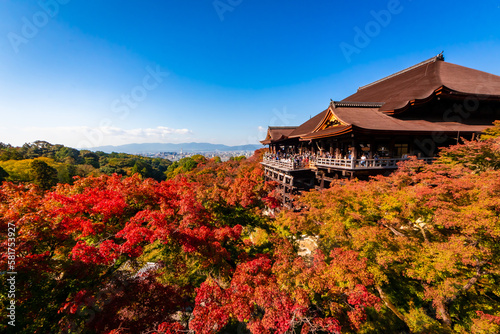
(19, 170)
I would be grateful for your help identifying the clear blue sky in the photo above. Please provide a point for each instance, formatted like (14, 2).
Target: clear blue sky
(90, 73)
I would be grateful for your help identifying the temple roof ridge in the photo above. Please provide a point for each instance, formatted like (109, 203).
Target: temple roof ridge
(438, 57)
(283, 127)
(347, 104)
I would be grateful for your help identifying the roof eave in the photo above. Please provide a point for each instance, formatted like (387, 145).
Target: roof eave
(440, 91)
(334, 134)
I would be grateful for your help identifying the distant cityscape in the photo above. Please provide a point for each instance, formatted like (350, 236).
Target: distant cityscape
(175, 156)
(175, 152)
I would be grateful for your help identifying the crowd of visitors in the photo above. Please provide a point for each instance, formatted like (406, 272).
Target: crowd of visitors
(298, 160)
(304, 159)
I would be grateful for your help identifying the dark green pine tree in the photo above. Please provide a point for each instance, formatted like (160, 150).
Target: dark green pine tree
(3, 174)
(43, 175)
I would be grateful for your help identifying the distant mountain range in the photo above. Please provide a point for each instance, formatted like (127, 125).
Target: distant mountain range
(185, 147)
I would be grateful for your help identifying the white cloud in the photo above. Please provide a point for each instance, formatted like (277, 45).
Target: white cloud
(84, 136)
(261, 129)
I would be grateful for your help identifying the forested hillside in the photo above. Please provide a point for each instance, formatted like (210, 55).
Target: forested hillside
(46, 164)
(208, 251)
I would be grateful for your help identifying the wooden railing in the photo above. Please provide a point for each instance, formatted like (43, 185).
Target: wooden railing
(381, 163)
(351, 164)
(282, 164)
(286, 164)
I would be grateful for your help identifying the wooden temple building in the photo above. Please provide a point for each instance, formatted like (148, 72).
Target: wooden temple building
(413, 112)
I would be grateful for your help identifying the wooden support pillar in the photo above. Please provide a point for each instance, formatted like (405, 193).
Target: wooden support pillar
(411, 146)
(353, 143)
(391, 147)
(373, 149)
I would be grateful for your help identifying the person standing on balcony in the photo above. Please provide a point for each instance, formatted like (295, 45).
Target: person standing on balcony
(363, 160)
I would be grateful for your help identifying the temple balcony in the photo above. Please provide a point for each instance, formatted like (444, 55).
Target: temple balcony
(286, 165)
(289, 165)
(364, 164)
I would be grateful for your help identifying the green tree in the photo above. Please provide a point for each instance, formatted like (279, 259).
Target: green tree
(90, 158)
(184, 165)
(9, 153)
(43, 175)
(238, 158)
(189, 165)
(3, 174)
(142, 168)
(66, 173)
(493, 132)
(66, 152)
(86, 170)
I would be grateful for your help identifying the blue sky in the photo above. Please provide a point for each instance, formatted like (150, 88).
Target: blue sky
(88, 73)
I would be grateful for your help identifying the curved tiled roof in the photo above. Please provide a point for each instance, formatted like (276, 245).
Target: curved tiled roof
(333, 131)
(422, 80)
(371, 120)
(276, 133)
(393, 94)
(309, 125)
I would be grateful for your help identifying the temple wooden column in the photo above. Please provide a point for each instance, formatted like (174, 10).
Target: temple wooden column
(391, 147)
(353, 151)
